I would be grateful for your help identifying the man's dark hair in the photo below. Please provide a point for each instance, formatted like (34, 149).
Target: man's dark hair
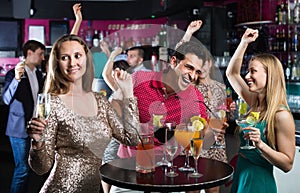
(121, 64)
(191, 47)
(32, 45)
(139, 49)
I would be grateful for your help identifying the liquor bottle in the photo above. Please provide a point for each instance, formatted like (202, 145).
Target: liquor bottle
(297, 64)
(81, 34)
(295, 40)
(101, 36)
(277, 40)
(290, 12)
(242, 107)
(290, 39)
(154, 63)
(297, 12)
(288, 68)
(278, 14)
(294, 69)
(283, 41)
(96, 39)
(283, 13)
(116, 40)
(89, 35)
(229, 99)
(163, 36)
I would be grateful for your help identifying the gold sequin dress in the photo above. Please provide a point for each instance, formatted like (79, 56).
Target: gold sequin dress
(75, 144)
(214, 96)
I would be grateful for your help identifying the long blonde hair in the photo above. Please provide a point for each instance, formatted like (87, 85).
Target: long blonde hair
(275, 93)
(58, 83)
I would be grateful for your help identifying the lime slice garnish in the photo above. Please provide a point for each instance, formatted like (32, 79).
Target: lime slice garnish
(194, 118)
(156, 120)
(253, 118)
(197, 125)
(255, 115)
(199, 118)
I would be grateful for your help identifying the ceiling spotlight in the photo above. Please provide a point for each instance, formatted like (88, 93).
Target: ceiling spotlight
(32, 10)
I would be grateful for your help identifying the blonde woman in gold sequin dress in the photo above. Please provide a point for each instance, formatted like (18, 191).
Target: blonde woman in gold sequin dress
(81, 123)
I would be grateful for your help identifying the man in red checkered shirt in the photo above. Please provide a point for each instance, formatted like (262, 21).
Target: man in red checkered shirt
(171, 93)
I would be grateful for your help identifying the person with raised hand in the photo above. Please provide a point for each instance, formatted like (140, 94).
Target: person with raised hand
(78, 18)
(81, 122)
(274, 135)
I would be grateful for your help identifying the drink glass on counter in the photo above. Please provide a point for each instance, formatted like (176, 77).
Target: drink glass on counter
(171, 148)
(163, 134)
(145, 159)
(183, 135)
(196, 148)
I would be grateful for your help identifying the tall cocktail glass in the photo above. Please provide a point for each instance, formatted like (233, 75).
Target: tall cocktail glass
(183, 134)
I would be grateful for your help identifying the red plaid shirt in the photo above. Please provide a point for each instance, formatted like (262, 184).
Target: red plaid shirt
(178, 107)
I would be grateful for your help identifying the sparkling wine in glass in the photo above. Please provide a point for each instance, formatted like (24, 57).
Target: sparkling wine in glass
(171, 149)
(43, 108)
(196, 148)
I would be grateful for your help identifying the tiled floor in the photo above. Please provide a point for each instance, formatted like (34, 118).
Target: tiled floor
(7, 168)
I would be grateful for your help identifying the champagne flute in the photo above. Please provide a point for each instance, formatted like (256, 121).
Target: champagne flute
(43, 109)
(171, 148)
(183, 134)
(216, 120)
(22, 59)
(196, 147)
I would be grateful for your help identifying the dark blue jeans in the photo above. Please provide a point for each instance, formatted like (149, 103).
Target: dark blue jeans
(20, 149)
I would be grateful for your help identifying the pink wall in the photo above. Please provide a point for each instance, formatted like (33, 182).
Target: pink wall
(36, 22)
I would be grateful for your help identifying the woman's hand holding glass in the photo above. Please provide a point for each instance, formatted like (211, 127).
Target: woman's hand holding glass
(39, 123)
(247, 125)
(252, 134)
(36, 128)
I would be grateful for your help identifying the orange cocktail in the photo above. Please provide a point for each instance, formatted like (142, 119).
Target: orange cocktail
(183, 135)
(145, 159)
(196, 147)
